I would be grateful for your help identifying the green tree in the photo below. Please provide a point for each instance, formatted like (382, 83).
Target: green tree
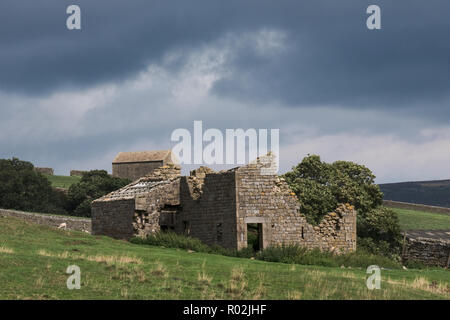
(316, 199)
(355, 184)
(22, 188)
(321, 186)
(93, 185)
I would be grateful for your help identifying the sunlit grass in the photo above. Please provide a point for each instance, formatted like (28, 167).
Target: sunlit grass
(420, 220)
(34, 260)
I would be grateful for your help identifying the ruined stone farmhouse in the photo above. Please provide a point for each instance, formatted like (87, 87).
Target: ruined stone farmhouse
(218, 207)
(134, 165)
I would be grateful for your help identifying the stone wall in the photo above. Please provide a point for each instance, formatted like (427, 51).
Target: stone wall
(209, 208)
(134, 170)
(219, 206)
(113, 218)
(80, 224)
(139, 208)
(431, 252)
(46, 171)
(414, 206)
(157, 208)
(268, 200)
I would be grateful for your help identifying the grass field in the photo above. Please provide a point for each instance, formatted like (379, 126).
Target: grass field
(34, 258)
(419, 220)
(63, 181)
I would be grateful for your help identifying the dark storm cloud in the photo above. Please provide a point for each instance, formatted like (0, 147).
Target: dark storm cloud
(331, 57)
(118, 38)
(330, 79)
(335, 60)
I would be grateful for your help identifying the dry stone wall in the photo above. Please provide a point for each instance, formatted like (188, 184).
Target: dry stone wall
(216, 207)
(80, 224)
(431, 252)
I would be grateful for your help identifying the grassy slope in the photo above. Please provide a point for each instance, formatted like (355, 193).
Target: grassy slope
(419, 220)
(33, 260)
(63, 181)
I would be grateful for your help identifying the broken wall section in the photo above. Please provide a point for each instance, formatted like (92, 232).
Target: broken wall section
(113, 218)
(157, 209)
(137, 209)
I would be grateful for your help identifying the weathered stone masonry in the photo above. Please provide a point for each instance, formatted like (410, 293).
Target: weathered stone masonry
(134, 165)
(268, 200)
(209, 207)
(115, 219)
(217, 207)
(137, 208)
(433, 252)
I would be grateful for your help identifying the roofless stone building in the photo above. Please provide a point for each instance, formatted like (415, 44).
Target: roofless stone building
(217, 208)
(134, 165)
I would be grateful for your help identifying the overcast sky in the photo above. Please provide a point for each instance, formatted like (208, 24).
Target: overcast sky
(140, 69)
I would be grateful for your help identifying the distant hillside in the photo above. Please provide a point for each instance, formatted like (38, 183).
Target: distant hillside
(433, 193)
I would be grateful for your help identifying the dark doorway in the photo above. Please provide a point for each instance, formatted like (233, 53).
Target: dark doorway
(254, 236)
(165, 228)
(186, 228)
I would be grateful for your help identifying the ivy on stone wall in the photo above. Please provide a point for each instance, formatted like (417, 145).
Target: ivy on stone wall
(321, 186)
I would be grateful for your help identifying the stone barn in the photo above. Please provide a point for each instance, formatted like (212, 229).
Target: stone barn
(220, 208)
(134, 165)
(45, 171)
